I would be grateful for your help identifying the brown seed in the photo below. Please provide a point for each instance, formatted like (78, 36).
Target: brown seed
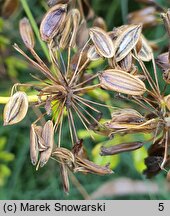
(63, 154)
(146, 16)
(146, 126)
(75, 60)
(26, 33)
(127, 116)
(166, 19)
(82, 34)
(64, 175)
(162, 61)
(86, 166)
(100, 23)
(126, 62)
(78, 149)
(53, 22)
(127, 41)
(102, 42)
(48, 136)
(71, 27)
(123, 147)
(122, 82)
(35, 142)
(16, 108)
(8, 8)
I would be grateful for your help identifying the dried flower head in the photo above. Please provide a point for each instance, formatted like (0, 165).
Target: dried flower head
(65, 92)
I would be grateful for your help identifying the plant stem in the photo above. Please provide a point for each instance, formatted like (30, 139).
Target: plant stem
(31, 99)
(35, 27)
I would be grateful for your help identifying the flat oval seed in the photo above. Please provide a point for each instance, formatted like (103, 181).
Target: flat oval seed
(16, 108)
(26, 33)
(122, 82)
(127, 41)
(48, 136)
(102, 42)
(33, 145)
(123, 147)
(52, 22)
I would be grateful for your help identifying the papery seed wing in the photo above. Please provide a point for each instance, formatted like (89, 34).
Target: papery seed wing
(122, 82)
(102, 42)
(16, 108)
(127, 41)
(53, 21)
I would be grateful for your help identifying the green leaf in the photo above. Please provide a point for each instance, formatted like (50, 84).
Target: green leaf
(4, 40)
(2, 143)
(6, 156)
(84, 134)
(100, 94)
(138, 158)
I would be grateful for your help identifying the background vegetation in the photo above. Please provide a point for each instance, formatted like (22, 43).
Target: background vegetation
(18, 178)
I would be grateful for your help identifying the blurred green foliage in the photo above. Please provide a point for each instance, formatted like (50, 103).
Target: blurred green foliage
(23, 181)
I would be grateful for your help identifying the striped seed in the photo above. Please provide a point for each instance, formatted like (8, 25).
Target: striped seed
(16, 108)
(123, 147)
(26, 33)
(53, 22)
(48, 136)
(127, 41)
(146, 53)
(102, 42)
(122, 82)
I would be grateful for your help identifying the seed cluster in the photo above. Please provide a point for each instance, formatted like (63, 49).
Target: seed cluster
(62, 93)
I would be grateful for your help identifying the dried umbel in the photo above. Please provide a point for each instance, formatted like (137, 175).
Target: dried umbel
(16, 108)
(122, 82)
(67, 90)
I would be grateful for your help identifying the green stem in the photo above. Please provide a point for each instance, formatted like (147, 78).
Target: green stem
(35, 27)
(31, 99)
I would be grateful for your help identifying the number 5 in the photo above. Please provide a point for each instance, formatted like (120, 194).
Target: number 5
(161, 207)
